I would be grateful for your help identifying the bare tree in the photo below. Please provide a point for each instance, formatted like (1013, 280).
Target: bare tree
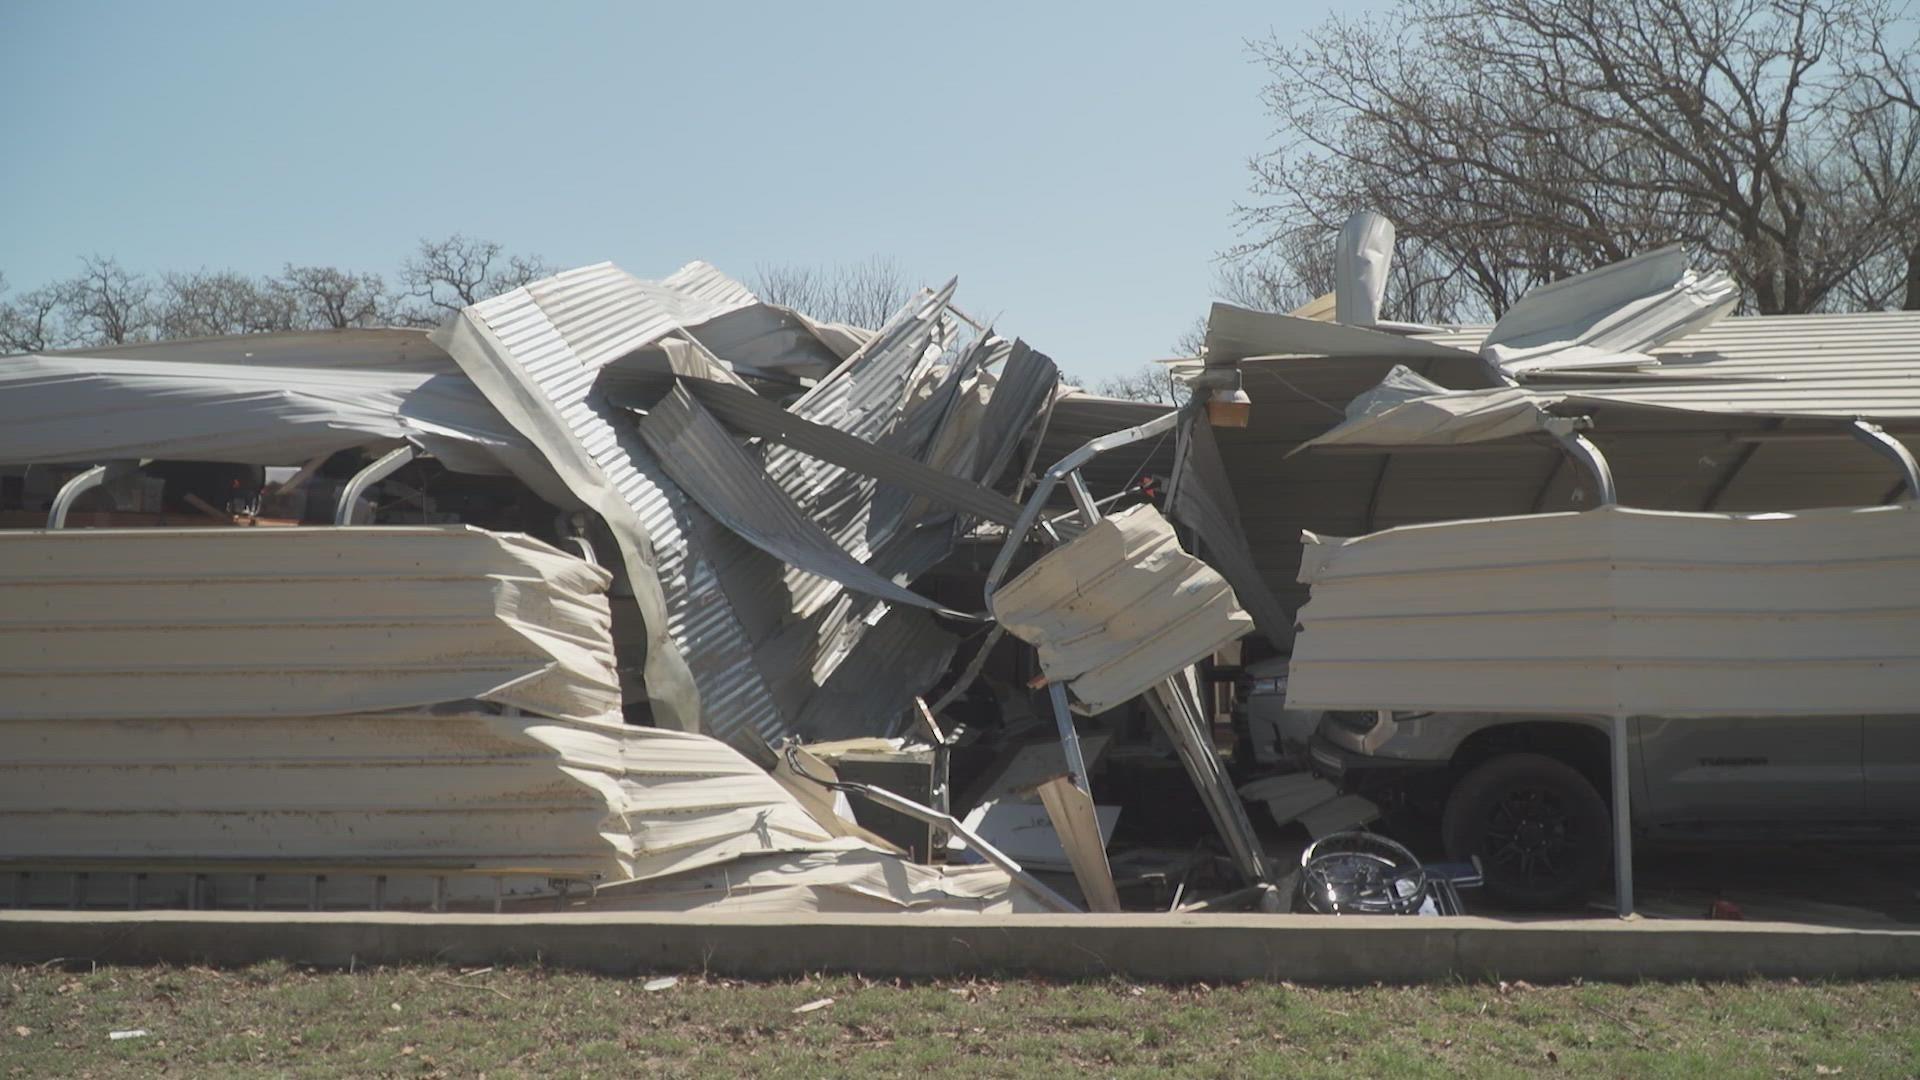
(31, 321)
(329, 298)
(447, 275)
(217, 303)
(1149, 382)
(1514, 142)
(106, 305)
(862, 294)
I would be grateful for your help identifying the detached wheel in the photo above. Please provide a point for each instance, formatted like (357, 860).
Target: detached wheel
(1540, 829)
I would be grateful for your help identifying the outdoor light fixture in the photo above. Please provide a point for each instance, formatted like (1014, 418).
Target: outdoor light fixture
(1229, 408)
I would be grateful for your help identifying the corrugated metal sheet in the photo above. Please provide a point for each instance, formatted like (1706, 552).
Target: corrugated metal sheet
(534, 352)
(1661, 459)
(1119, 608)
(865, 398)
(740, 641)
(902, 655)
(387, 348)
(704, 460)
(1842, 365)
(404, 795)
(392, 700)
(1235, 334)
(1618, 612)
(747, 412)
(105, 623)
(1025, 384)
(1609, 316)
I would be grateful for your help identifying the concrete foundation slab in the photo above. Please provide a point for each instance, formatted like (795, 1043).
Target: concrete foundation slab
(1310, 949)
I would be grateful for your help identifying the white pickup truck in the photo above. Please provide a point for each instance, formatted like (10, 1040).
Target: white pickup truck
(1529, 795)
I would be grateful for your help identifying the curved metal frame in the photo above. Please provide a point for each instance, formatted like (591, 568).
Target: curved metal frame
(1877, 440)
(382, 467)
(71, 491)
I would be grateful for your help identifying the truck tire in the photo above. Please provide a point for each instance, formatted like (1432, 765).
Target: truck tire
(1541, 831)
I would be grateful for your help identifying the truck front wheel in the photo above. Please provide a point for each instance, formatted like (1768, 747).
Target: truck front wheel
(1540, 829)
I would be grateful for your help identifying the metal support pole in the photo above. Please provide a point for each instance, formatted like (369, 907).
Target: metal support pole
(1892, 449)
(383, 466)
(1082, 498)
(1036, 500)
(71, 491)
(1622, 821)
(1581, 449)
(975, 842)
(1069, 737)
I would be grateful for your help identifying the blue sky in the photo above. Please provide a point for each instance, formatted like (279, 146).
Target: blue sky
(1076, 166)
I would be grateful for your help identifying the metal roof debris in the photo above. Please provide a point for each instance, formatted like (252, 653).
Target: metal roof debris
(1120, 607)
(801, 513)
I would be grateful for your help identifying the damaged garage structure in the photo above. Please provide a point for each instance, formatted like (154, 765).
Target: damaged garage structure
(614, 594)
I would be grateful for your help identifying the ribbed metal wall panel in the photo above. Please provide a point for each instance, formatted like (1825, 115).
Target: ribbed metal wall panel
(1618, 611)
(1840, 365)
(1867, 363)
(101, 623)
(407, 795)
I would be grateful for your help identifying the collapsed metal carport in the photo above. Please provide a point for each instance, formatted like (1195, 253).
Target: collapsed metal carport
(1642, 397)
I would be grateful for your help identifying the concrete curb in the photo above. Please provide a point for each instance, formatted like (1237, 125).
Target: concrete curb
(1308, 949)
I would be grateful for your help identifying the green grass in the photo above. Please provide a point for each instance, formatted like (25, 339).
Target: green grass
(276, 1020)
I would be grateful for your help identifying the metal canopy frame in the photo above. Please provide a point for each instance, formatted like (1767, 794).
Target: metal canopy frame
(71, 491)
(1175, 700)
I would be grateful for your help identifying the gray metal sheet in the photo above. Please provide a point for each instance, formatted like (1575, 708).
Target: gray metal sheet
(703, 459)
(745, 411)
(1026, 382)
(534, 352)
(278, 401)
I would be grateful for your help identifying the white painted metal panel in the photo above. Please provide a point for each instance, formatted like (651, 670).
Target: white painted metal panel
(102, 623)
(458, 791)
(1119, 608)
(1609, 316)
(1842, 365)
(1618, 611)
(270, 399)
(352, 703)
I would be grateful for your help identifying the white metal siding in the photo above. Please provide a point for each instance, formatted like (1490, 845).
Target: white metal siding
(1618, 611)
(100, 623)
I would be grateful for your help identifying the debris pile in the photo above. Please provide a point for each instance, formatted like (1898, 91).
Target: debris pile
(653, 595)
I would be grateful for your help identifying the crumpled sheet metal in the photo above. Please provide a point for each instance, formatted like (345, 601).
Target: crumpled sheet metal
(845, 883)
(704, 460)
(749, 413)
(265, 399)
(865, 398)
(1408, 410)
(534, 352)
(1119, 608)
(666, 817)
(889, 665)
(739, 642)
(1609, 317)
